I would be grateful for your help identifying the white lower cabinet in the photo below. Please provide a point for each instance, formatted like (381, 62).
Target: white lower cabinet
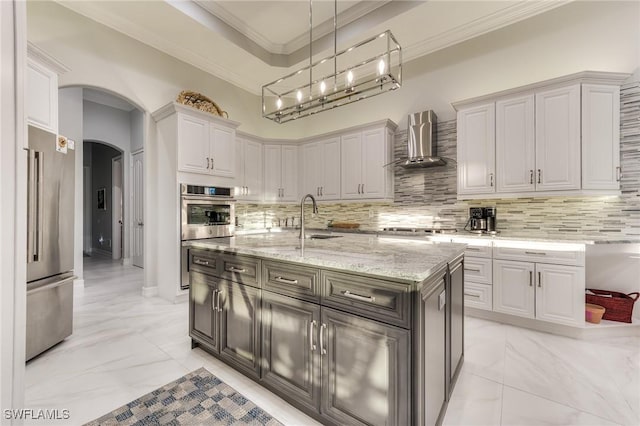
(546, 292)
(478, 295)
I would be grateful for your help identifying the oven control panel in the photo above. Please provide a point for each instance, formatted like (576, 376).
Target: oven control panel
(214, 191)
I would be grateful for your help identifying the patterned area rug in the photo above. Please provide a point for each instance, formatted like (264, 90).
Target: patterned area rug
(199, 398)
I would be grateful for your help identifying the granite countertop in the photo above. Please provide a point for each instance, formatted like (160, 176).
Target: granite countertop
(408, 261)
(504, 235)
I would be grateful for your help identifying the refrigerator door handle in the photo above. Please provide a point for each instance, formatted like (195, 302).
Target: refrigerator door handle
(31, 206)
(48, 284)
(40, 231)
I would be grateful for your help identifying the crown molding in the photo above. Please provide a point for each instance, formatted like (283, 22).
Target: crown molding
(486, 24)
(34, 52)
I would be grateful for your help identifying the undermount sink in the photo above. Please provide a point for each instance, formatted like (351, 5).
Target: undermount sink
(323, 237)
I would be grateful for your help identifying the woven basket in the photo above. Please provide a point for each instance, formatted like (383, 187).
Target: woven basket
(201, 102)
(619, 306)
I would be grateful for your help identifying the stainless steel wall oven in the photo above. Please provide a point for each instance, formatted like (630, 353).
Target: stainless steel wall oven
(206, 212)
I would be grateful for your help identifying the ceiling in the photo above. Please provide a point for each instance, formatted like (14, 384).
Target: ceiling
(250, 43)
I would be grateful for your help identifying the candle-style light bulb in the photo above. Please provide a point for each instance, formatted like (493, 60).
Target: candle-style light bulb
(349, 78)
(279, 103)
(381, 67)
(299, 95)
(323, 87)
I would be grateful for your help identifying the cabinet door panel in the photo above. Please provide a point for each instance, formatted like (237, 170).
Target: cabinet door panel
(193, 145)
(600, 136)
(290, 173)
(223, 151)
(374, 157)
(240, 160)
(365, 376)
(41, 96)
(203, 320)
(290, 351)
(240, 326)
(515, 145)
(351, 166)
(560, 294)
(456, 291)
(330, 184)
(312, 169)
(253, 170)
(434, 351)
(272, 172)
(476, 150)
(558, 139)
(513, 288)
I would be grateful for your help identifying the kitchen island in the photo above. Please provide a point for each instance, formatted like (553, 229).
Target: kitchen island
(351, 330)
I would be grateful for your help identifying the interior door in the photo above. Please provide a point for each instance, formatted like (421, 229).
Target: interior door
(117, 223)
(137, 211)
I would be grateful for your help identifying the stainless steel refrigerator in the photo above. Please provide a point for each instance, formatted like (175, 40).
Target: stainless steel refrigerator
(49, 241)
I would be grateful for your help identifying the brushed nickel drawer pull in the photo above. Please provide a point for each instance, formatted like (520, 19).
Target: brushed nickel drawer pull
(536, 253)
(312, 325)
(472, 249)
(472, 295)
(285, 280)
(214, 299)
(199, 261)
(539, 175)
(347, 293)
(530, 278)
(472, 269)
(234, 269)
(531, 177)
(323, 351)
(539, 279)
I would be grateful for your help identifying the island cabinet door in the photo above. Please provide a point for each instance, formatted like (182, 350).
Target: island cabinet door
(290, 353)
(239, 313)
(365, 371)
(203, 324)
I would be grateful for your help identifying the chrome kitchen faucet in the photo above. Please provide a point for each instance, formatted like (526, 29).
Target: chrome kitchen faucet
(315, 211)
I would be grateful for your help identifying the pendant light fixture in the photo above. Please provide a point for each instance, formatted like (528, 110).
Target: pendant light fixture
(368, 68)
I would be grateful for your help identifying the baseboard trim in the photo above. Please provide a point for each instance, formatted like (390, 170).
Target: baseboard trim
(588, 331)
(101, 252)
(149, 291)
(77, 284)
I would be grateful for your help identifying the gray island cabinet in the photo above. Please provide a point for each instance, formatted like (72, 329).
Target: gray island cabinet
(364, 331)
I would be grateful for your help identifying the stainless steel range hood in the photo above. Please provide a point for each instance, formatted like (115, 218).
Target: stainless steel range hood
(421, 141)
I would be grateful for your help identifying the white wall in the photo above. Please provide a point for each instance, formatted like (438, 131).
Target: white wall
(113, 126)
(70, 125)
(136, 119)
(13, 211)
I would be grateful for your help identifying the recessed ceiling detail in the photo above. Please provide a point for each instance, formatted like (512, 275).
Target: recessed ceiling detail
(272, 41)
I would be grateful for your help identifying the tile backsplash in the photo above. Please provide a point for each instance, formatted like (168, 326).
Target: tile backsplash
(427, 197)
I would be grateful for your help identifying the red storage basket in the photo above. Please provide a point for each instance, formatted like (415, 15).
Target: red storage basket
(619, 306)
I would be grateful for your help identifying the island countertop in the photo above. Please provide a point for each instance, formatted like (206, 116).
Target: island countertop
(410, 261)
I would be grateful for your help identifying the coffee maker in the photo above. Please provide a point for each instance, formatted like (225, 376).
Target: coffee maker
(482, 220)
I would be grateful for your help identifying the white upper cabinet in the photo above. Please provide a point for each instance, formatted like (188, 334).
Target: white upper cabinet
(193, 145)
(248, 170)
(515, 145)
(558, 139)
(560, 136)
(363, 159)
(321, 165)
(41, 89)
(601, 137)
(205, 146)
(280, 173)
(476, 149)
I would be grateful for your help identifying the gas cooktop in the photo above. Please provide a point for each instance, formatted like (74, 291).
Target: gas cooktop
(417, 230)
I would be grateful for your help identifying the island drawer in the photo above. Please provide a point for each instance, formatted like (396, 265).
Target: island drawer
(478, 269)
(203, 261)
(386, 301)
(291, 280)
(241, 269)
(478, 296)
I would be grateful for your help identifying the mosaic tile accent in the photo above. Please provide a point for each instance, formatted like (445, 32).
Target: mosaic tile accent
(197, 398)
(427, 197)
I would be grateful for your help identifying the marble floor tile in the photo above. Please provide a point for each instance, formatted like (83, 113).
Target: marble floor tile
(524, 409)
(475, 401)
(124, 345)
